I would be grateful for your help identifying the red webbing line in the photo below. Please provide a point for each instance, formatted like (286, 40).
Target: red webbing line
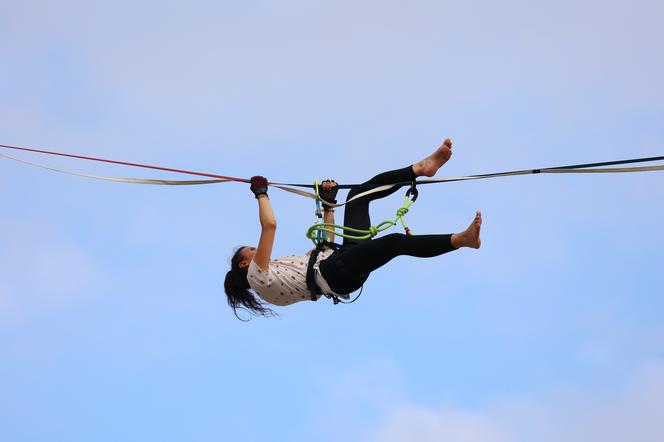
(145, 166)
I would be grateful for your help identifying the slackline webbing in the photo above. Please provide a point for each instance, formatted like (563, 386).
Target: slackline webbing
(599, 167)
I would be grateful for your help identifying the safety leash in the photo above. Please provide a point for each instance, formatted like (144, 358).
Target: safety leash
(314, 232)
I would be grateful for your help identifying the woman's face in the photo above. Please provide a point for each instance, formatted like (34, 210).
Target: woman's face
(246, 255)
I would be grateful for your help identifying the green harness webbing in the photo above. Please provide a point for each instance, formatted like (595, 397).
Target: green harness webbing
(314, 232)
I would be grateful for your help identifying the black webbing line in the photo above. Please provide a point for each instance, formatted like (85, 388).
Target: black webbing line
(497, 174)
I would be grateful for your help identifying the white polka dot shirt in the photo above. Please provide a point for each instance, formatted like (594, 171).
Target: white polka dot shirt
(285, 282)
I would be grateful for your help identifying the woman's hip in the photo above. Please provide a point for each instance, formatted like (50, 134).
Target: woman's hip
(339, 276)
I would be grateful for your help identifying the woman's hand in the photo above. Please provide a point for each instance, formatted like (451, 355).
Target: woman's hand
(259, 185)
(328, 191)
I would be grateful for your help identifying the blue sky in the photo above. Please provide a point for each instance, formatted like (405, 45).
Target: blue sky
(113, 321)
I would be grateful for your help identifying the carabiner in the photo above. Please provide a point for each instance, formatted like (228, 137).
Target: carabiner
(412, 191)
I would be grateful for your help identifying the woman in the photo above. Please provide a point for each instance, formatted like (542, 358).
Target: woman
(340, 271)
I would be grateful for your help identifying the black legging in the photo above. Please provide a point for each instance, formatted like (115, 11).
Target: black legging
(348, 268)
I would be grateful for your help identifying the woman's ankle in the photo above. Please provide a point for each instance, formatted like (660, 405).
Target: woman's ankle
(458, 240)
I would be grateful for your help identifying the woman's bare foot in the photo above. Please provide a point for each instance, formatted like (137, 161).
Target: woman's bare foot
(430, 165)
(471, 236)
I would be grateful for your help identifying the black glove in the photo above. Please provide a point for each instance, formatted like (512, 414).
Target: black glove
(329, 195)
(259, 185)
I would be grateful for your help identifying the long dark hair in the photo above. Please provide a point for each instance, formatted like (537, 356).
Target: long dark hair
(238, 290)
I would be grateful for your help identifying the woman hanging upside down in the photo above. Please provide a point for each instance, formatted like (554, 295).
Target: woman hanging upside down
(341, 270)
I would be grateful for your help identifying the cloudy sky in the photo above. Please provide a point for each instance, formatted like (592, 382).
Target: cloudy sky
(113, 321)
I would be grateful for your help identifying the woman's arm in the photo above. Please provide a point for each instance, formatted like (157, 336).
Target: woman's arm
(268, 231)
(328, 218)
(329, 193)
(267, 220)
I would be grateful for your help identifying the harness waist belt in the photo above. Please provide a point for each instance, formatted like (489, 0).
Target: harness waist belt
(311, 272)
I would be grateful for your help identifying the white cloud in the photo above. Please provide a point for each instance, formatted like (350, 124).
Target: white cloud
(423, 425)
(633, 412)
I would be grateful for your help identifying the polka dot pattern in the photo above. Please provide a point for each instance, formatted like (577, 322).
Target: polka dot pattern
(284, 282)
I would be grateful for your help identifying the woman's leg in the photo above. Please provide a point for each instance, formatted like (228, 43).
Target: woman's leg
(356, 213)
(348, 271)
(366, 257)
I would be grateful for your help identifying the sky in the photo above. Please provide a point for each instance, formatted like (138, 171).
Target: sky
(113, 321)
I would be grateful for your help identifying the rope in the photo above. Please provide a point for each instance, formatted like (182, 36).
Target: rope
(313, 231)
(119, 180)
(123, 163)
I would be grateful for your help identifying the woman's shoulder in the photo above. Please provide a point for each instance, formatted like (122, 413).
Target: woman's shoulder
(255, 268)
(260, 278)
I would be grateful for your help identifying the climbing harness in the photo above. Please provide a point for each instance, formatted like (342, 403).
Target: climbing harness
(318, 234)
(314, 289)
(320, 239)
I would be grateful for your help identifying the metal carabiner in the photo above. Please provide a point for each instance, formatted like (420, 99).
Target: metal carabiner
(412, 191)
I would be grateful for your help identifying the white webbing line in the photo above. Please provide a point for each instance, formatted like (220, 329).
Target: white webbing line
(187, 182)
(359, 195)
(478, 177)
(118, 180)
(313, 195)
